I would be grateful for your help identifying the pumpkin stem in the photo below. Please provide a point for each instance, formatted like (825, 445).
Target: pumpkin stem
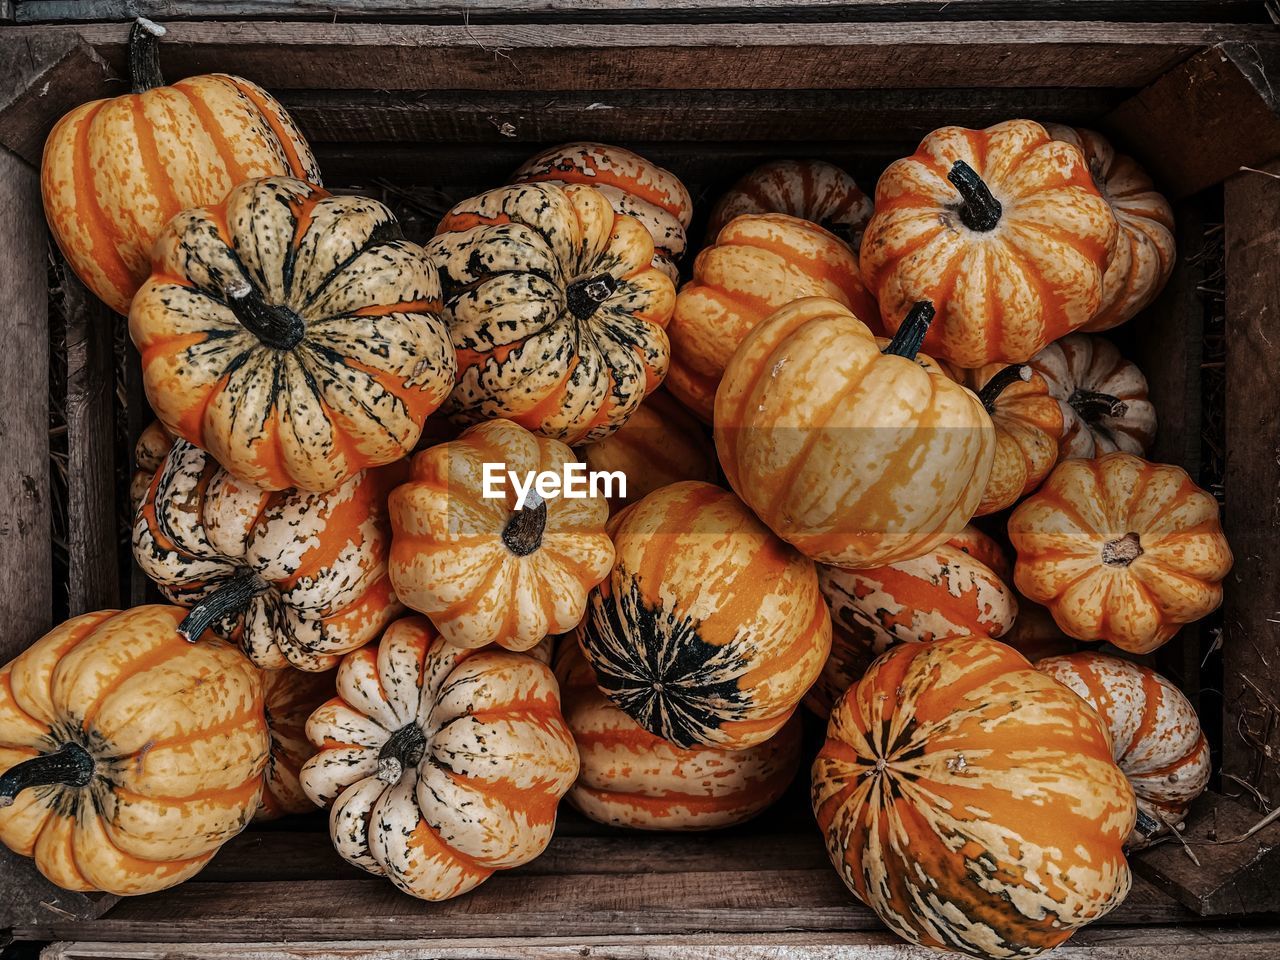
(144, 55)
(584, 296)
(980, 210)
(1093, 406)
(523, 532)
(1018, 373)
(1122, 551)
(275, 325)
(230, 598)
(915, 326)
(404, 748)
(72, 766)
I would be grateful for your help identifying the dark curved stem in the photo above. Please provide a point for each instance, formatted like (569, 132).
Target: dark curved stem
(1000, 382)
(1093, 406)
(230, 598)
(276, 326)
(1122, 551)
(72, 766)
(584, 296)
(404, 748)
(523, 532)
(144, 57)
(980, 210)
(915, 327)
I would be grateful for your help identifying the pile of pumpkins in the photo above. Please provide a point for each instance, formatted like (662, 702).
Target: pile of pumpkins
(356, 625)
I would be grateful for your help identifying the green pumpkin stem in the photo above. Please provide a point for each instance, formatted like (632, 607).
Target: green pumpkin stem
(583, 297)
(404, 748)
(72, 766)
(1093, 406)
(230, 598)
(980, 210)
(1018, 373)
(523, 532)
(276, 326)
(144, 55)
(915, 327)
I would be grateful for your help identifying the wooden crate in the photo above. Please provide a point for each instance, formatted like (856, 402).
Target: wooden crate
(428, 107)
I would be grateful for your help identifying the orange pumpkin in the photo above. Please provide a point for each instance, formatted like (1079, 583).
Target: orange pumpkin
(115, 171)
(809, 189)
(633, 185)
(1120, 550)
(1145, 248)
(289, 697)
(630, 778)
(972, 802)
(129, 756)
(482, 568)
(152, 446)
(1155, 735)
(661, 444)
(759, 262)
(1002, 229)
(857, 451)
(709, 629)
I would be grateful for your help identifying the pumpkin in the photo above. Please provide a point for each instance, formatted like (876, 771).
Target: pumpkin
(555, 311)
(979, 545)
(483, 569)
(292, 334)
(296, 578)
(115, 171)
(1028, 423)
(1145, 248)
(971, 801)
(809, 189)
(1155, 735)
(661, 444)
(860, 452)
(948, 592)
(129, 756)
(441, 763)
(709, 629)
(633, 185)
(1035, 635)
(1103, 397)
(289, 698)
(149, 451)
(1002, 230)
(1120, 550)
(759, 262)
(630, 778)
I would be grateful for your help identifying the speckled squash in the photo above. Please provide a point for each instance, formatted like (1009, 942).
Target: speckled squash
(296, 578)
(661, 444)
(1145, 250)
(482, 570)
(289, 698)
(632, 779)
(152, 446)
(440, 764)
(809, 189)
(1103, 397)
(129, 756)
(292, 334)
(1155, 735)
(1120, 550)
(758, 263)
(858, 451)
(633, 185)
(972, 801)
(556, 313)
(709, 629)
(1002, 229)
(115, 171)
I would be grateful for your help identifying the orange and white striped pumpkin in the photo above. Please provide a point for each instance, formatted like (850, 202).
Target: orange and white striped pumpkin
(115, 171)
(1002, 230)
(482, 570)
(1120, 550)
(440, 764)
(1155, 735)
(630, 778)
(972, 801)
(289, 697)
(759, 262)
(809, 189)
(856, 450)
(633, 185)
(129, 756)
(1145, 249)
(296, 578)
(709, 629)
